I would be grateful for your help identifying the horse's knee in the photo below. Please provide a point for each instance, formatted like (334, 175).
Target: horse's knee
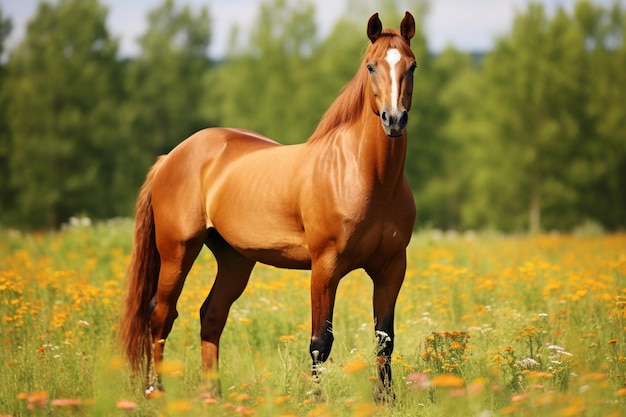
(320, 346)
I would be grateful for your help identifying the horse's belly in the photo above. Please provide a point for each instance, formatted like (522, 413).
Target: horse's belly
(291, 258)
(274, 240)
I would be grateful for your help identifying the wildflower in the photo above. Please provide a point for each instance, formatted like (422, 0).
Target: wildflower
(477, 386)
(520, 397)
(282, 399)
(37, 399)
(456, 392)
(364, 409)
(419, 380)
(594, 376)
(66, 402)
(242, 397)
(173, 368)
(179, 406)
(528, 363)
(355, 365)
(555, 347)
(538, 375)
(244, 411)
(448, 381)
(528, 331)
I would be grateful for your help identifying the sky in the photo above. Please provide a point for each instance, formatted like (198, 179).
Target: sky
(469, 25)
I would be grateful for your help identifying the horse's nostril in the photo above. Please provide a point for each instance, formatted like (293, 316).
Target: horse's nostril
(404, 118)
(384, 116)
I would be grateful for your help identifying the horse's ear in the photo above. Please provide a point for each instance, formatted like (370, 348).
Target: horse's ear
(407, 26)
(374, 28)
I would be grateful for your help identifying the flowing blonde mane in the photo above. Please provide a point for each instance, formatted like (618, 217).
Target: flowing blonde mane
(347, 108)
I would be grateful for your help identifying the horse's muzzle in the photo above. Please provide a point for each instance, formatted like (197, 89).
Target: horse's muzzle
(394, 123)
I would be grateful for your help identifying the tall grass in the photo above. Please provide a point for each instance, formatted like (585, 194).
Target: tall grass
(485, 326)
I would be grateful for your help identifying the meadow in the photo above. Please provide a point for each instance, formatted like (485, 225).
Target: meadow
(486, 325)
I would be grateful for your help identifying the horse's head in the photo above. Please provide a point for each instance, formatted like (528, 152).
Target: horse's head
(390, 64)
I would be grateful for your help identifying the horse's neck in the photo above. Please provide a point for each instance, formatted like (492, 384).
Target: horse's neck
(382, 157)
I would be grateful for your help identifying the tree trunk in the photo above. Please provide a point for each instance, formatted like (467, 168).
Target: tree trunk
(534, 226)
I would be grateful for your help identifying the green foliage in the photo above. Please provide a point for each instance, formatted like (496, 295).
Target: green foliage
(60, 108)
(163, 91)
(269, 86)
(528, 136)
(5, 141)
(537, 146)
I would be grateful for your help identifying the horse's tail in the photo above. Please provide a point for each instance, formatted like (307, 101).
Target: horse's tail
(143, 275)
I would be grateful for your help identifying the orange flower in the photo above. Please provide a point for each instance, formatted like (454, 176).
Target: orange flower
(282, 399)
(126, 405)
(355, 365)
(448, 381)
(66, 402)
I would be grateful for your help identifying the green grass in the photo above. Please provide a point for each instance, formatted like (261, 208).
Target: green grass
(472, 315)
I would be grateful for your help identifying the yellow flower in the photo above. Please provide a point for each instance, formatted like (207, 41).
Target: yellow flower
(448, 381)
(179, 406)
(170, 367)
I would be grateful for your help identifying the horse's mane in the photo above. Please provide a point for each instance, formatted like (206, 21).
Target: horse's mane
(347, 108)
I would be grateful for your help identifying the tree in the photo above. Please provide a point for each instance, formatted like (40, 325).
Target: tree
(269, 85)
(601, 177)
(531, 97)
(447, 168)
(6, 193)
(61, 114)
(164, 85)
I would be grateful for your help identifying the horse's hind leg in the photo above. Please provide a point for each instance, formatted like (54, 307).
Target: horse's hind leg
(177, 257)
(233, 271)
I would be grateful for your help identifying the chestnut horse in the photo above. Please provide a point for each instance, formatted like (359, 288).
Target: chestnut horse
(338, 202)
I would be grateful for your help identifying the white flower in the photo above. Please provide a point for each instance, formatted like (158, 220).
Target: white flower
(528, 363)
(555, 347)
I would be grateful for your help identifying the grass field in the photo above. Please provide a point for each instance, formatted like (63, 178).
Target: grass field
(485, 326)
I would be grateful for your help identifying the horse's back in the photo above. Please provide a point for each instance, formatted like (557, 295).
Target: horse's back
(180, 184)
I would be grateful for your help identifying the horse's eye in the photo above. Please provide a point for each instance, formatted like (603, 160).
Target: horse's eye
(413, 67)
(370, 68)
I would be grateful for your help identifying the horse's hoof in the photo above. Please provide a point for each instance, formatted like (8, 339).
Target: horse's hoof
(384, 395)
(210, 388)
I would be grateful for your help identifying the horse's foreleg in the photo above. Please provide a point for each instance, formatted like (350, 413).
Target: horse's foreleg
(323, 291)
(387, 283)
(233, 271)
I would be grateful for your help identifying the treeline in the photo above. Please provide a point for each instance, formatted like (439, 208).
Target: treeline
(528, 136)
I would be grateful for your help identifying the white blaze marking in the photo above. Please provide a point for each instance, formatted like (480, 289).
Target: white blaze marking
(393, 57)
